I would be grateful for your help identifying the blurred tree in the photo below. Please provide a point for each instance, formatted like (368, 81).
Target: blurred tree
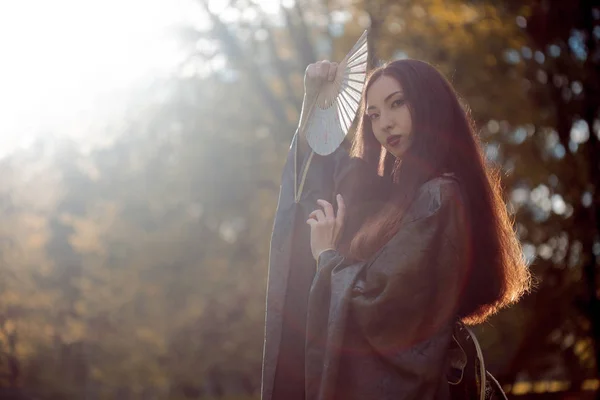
(138, 270)
(554, 162)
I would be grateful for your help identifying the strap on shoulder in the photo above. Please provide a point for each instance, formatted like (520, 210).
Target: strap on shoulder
(466, 372)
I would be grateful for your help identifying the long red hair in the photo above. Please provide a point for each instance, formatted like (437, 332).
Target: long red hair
(444, 141)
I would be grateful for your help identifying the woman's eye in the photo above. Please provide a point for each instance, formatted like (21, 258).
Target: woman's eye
(373, 116)
(398, 103)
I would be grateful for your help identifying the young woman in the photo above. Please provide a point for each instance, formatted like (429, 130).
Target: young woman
(409, 234)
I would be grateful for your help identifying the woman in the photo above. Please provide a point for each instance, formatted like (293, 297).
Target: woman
(420, 240)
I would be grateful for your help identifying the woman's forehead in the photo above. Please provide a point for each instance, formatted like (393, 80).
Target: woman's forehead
(381, 89)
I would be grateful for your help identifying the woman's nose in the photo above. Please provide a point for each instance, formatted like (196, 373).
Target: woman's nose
(386, 122)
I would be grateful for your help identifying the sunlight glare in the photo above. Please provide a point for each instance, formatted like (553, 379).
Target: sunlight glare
(65, 59)
(60, 56)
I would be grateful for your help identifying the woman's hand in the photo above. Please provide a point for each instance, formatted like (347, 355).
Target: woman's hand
(325, 226)
(316, 75)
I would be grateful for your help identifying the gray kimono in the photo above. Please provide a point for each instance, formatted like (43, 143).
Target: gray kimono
(375, 329)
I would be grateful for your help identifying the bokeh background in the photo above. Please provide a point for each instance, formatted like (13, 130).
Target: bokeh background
(141, 146)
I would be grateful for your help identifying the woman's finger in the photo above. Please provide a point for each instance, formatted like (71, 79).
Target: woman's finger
(341, 212)
(315, 73)
(318, 215)
(332, 71)
(327, 208)
(324, 67)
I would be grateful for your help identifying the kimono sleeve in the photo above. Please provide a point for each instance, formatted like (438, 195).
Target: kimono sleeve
(412, 287)
(306, 177)
(318, 176)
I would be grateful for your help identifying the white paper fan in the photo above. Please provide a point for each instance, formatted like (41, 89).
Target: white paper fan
(337, 102)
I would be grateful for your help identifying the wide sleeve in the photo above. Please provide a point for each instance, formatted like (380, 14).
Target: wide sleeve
(317, 176)
(309, 176)
(405, 294)
(306, 177)
(413, 286)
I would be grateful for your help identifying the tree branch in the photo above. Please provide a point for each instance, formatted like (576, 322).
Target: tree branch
(299, 34)
(281, 68)
(236, 56)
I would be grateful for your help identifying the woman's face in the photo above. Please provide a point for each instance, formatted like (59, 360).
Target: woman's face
(389, 115)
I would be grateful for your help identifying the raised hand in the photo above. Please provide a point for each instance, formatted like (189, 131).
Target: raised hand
(325, 226)
(316, 75)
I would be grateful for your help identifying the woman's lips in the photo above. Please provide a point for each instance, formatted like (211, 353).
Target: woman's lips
(394, 140)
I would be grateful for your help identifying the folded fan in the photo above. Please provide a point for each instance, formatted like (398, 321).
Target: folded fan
(336, 105)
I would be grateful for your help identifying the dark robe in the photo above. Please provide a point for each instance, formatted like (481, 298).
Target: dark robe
(376, 329)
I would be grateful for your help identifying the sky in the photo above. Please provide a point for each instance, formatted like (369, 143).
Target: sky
(64, 63)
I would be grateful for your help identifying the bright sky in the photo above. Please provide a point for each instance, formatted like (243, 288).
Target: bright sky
(62, 59)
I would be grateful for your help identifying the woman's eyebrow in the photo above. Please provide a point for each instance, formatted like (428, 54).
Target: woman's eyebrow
(386, 99)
